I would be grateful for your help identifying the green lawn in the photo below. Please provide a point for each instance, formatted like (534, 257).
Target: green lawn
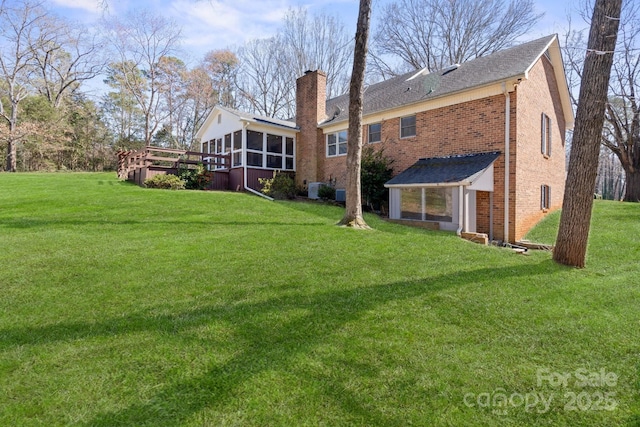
(128, 306)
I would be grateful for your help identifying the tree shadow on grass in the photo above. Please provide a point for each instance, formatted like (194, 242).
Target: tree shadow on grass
(270, 343)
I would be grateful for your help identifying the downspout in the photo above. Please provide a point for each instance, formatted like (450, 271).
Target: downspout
(460, 210)
(507, 128)
(244, 166)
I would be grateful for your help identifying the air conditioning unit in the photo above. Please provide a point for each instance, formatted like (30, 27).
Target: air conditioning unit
(341, 195)
(313, 190)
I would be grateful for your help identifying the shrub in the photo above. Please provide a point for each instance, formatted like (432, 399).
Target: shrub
(281, 186)
(327, 192)
(375, 171)
(195, 179)
(168, 182)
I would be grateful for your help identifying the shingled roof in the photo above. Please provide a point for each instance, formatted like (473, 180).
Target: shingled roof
(420, 86)
(444, 170)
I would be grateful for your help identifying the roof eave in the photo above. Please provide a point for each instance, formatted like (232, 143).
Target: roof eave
(464, 183)
(511, 79)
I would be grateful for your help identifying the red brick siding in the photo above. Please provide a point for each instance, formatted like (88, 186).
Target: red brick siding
(311, 95)
(470, 127)
(536, 95)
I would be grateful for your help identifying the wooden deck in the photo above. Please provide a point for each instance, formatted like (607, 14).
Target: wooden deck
(136, 166)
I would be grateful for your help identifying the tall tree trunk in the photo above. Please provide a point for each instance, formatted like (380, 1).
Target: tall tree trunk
(11, 155)
(571, 244)
(353, 213)
(632, 189)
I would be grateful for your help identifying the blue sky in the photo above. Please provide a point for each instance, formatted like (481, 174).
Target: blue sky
(216, 24)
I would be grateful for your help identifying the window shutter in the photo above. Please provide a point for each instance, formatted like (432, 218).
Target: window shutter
(549, 136)
(543, 133)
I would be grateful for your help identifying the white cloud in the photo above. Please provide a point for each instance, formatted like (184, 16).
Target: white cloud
(91, 6)
(214, 24)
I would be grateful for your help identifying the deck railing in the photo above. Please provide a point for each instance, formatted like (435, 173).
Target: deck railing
(134, 165)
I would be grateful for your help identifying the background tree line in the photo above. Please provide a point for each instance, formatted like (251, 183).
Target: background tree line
(154, 96)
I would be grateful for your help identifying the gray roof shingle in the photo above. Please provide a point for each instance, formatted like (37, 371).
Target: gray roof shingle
(444, 170)
(404, 90)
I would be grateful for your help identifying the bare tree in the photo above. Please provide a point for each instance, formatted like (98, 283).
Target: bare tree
(621, 133)
(66, 55)
(172, 83)
(140, 41)
(265, 84)
(222, 67)
(318, 42)
(437, 33)
(353, 213)
(201, 98)
(573, 233)
(19, 25)
(269, 66)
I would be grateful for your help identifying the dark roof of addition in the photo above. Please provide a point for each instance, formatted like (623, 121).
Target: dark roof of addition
(419, 86)
(444, 170)
(262, 119)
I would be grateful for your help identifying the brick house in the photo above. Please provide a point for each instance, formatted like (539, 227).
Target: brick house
(472, 144)
(467, 123)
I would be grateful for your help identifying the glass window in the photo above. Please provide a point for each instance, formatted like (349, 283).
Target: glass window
(288, 163)
(545, 197)
(237, 158)
(337, 143)
(546, 135)
(254, 159)
(227, 143)
(342, 142)
(411, 203)
(205, 147)
(237, 140)
(219, 145)
(375, 132)
(407, 126)
(274, 143)
(331, 144)
(274, 162)
(254, 140)
(289, 150)
(437, 204)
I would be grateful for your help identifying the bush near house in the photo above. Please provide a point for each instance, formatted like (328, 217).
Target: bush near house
(327, 192)
(281, 186)
(167, 182)
(197, 178)
(376, 170)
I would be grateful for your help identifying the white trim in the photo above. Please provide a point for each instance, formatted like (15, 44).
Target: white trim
(507, 174)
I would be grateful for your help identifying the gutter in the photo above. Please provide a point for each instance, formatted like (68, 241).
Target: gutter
(460, 211)
(507, 128)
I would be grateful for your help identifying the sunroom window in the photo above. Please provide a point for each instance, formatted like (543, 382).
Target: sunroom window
(426, 204)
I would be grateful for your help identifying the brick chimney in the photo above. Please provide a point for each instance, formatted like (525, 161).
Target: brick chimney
(311, 98)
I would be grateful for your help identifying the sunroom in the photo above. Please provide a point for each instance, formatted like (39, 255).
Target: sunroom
(257, 146)
(442, 191)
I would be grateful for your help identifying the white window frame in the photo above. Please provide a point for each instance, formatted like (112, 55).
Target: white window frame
(415, 126)
(283, 154)
(337, 143)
